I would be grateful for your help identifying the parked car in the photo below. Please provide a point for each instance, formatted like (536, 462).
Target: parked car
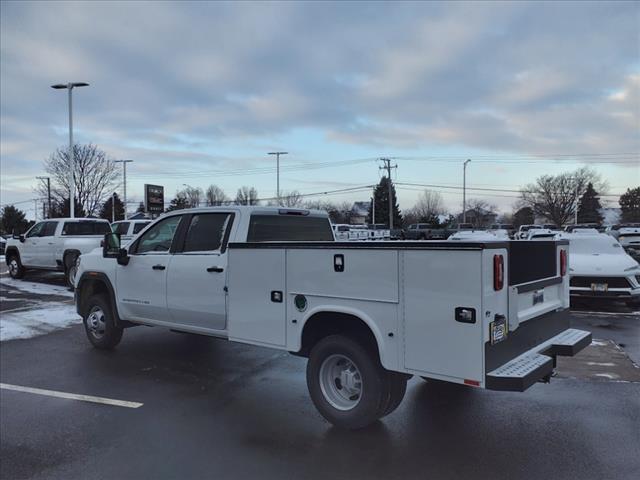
(379, 231)
(510, 228)
(542, 234)
(581, 226)
(3, 245)
(54, 244)
(341, 232)
(614, 230)
(600, 268)
(424, 231)
(524, 229)
(275, 277)
(128, 228)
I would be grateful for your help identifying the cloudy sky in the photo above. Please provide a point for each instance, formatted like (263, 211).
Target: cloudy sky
(198, 93)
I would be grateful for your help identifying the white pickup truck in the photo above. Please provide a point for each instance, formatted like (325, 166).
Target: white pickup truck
(128, 228)
(367, 315)
(54, 244)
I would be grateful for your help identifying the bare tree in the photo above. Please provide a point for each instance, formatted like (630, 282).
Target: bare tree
(480, 212)
(291, 199)
(215, 196)
(95, 177)
(246, 196)
(555, 197)
(193, 195)
(428, 206)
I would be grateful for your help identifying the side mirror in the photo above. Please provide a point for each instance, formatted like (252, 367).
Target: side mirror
(111, 248)
(111, 245)
(21, 237)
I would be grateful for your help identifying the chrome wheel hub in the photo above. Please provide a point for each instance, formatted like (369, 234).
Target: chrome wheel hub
(340, 382)
(96, 322)
(13, 267)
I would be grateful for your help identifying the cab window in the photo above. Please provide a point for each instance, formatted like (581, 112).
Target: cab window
(137, 227)
(35, 230)
(49, 229)
(121, 228)
(159, 237)
(206, 232)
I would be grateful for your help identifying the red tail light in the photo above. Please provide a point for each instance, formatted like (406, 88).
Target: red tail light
(563, 262)
(498, 272)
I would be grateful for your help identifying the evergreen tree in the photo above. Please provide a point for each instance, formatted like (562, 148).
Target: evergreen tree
(630, 205)
(106, 210)
(60, 209)
(179, 202)
(589, 207)
(524, 216)
(381, 199)
(13, 220)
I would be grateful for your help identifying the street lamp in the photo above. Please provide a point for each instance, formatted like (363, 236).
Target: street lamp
(464, 191)
(72, 185)
(277, 154)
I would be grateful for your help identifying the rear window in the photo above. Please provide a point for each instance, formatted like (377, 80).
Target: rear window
(139, 226)
(289, 228)
(85, 228)
(121, 228)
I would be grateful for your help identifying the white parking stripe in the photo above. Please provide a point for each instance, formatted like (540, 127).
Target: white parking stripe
(71, 396)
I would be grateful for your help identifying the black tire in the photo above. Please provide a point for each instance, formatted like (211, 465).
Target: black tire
(101, 329)
(70, 270)
(16, 270)
(373, 396)
(397, 389)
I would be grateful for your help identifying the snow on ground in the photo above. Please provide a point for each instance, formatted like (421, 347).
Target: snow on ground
(38, 288)
(39, 321)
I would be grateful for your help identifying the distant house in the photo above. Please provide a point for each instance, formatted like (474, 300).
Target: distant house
(359, 213)
(479, 218)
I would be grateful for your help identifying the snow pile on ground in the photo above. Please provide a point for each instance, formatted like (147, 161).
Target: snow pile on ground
(40, 321)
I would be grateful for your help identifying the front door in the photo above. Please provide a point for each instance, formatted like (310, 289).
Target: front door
(197, 275)
(142, 284)
(30, 249)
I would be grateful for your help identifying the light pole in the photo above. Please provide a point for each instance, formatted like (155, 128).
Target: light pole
(277, 154)
(48, 179)
(124, 172)
(72, 186)
(464, 191)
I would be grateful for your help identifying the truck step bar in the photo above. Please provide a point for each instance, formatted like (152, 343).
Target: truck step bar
(532, 366)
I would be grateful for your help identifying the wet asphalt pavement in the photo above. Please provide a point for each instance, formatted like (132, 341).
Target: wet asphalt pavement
(214, 409)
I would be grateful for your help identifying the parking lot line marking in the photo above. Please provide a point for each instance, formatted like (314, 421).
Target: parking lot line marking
(71, 396)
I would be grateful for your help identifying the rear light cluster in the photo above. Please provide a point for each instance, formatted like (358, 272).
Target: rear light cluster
(563, 262)
(498, 272)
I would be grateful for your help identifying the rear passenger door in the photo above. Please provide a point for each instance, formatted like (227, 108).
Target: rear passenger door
(197, 276)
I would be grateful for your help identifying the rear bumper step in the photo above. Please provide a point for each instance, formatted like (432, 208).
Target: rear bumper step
(523, 371)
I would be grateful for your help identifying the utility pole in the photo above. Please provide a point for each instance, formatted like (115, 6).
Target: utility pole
(124, 169)
(72, 164)
(464, 191)
(373, 207)
(48, 194)
(113, 207)
(575, 219)
(277, 154)
(35, 209)
(387, 166)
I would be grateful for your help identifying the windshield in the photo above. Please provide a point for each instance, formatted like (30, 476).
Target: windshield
(595, 244)
(86, 228)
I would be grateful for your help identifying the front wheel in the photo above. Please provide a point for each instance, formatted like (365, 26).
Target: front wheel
(99, 324)
(16, 270)
(346, 382)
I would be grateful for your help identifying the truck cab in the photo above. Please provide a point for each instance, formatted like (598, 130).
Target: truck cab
(54, 244)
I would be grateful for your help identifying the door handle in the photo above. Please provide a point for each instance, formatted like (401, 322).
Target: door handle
(158, 267)
(215, 269)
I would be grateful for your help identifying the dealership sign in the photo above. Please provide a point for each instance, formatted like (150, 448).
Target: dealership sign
(154, 198)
